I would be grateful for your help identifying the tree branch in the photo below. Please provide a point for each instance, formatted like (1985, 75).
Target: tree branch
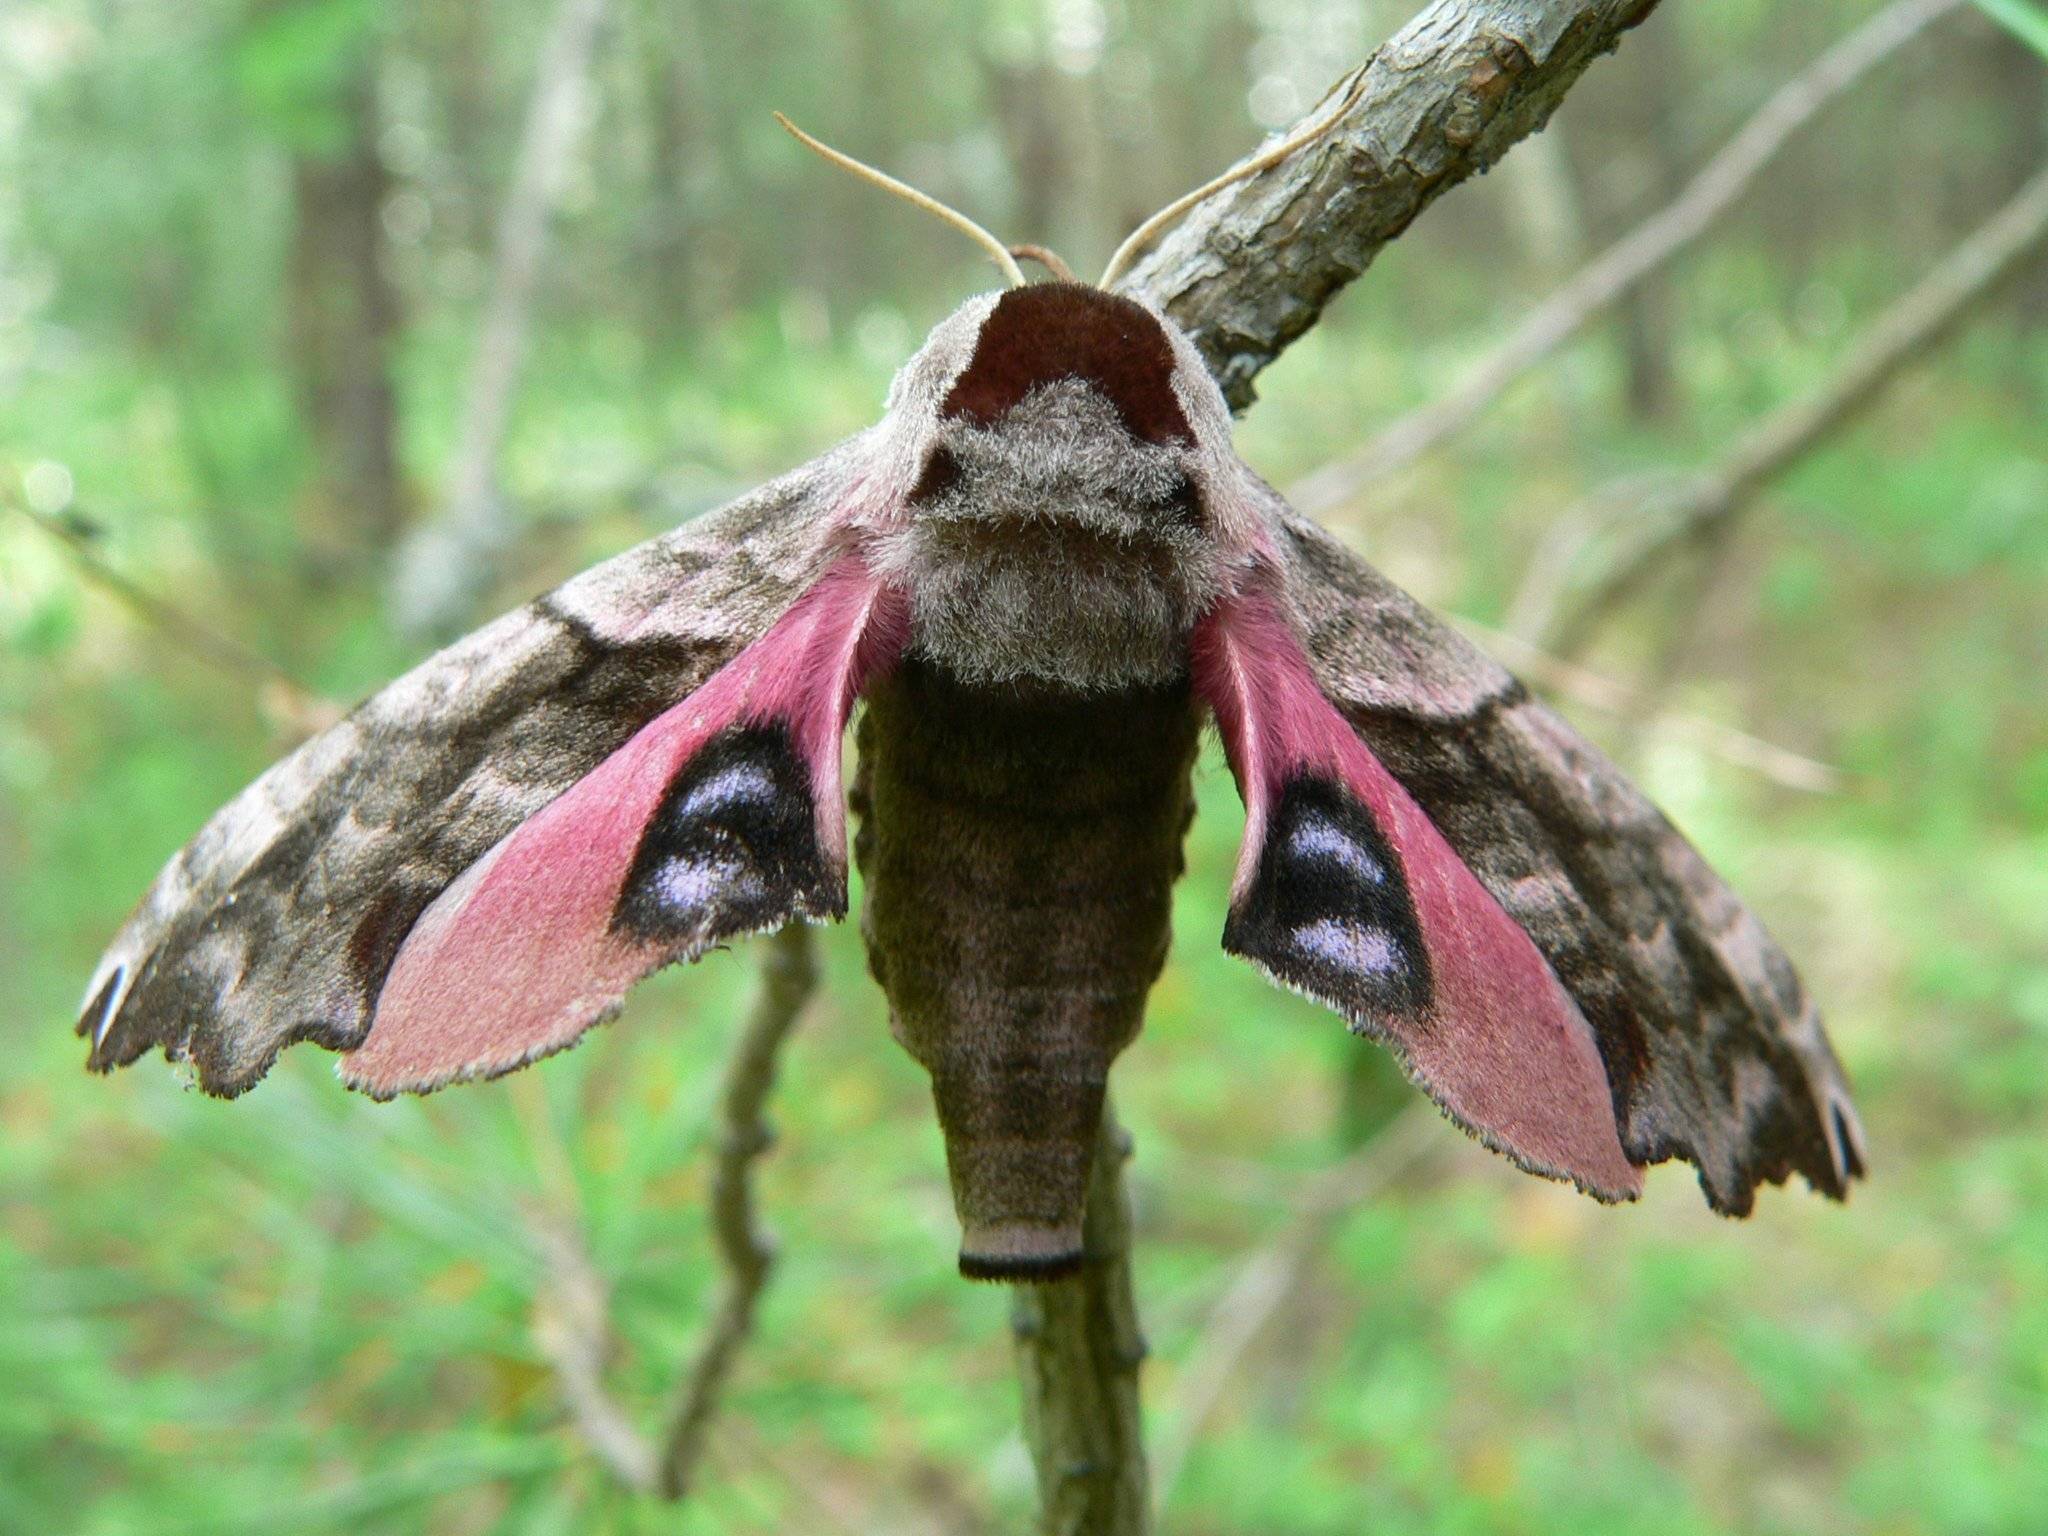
(1250, 270)
(1613, 273)
(1555, 675)
(572, 1326)
(288, 702)
(1903, 333)
(1078, 1351)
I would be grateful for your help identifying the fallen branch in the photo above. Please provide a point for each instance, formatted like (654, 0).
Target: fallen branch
(1079, 1347)
(1617, 270)
(1906, 331)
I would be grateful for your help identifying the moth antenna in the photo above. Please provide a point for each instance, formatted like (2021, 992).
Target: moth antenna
(998, 252)
(1134, 245)
(1046, 258)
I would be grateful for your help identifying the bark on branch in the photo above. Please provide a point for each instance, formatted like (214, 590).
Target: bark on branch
(1914, 324)
(1249, 270)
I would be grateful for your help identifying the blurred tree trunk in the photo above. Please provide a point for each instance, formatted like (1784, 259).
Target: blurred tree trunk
(456, 37)
(344, 313)
(1642, 94)
(449, 563)
(1543, 200)
(1543, 203)
(1031, 134)
(679, 144)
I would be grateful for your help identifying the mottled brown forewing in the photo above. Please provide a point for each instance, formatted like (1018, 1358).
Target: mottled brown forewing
(278, 922)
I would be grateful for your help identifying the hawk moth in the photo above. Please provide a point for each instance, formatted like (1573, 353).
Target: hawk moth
(1040, 573)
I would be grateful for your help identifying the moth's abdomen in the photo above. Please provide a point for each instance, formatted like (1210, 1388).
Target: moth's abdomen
(1019, 848)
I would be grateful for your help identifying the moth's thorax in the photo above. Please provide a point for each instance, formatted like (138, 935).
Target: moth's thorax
(1053, 546)
(1065, 513)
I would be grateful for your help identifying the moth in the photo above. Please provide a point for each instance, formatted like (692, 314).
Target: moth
(1040, 574)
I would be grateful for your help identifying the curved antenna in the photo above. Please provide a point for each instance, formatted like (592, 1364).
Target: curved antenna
(998, 252)
(1134, 245)
(1047, 258)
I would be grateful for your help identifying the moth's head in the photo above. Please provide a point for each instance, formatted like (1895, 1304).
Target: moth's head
(1062, 401)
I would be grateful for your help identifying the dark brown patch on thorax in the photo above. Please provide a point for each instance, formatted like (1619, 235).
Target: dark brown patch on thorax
(1053, 331)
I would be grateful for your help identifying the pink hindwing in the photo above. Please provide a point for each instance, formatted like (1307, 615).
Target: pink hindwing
(1347, 892)
(722, 816)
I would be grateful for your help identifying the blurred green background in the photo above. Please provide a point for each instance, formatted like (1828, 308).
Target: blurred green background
(245, 251)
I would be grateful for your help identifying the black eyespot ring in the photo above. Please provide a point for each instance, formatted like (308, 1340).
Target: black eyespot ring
(941, 474)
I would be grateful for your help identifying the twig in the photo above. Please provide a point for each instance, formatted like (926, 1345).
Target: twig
(1565, 542)
(572, 1323)
(1682, 621)
(447, 564)
(1079, 1347)
(1628, 261)
(788, 977)
(1269, 1280)
(1250, 269)
(1908, 329)
(1555, 675)
(572, 1310)
(572, 1326)
(282, 696)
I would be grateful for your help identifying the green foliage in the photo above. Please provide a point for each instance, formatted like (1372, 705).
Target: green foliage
(2027, 20)
(304, 1311)
(296, 63)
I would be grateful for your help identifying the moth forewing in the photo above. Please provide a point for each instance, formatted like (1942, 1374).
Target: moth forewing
(282, 918)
